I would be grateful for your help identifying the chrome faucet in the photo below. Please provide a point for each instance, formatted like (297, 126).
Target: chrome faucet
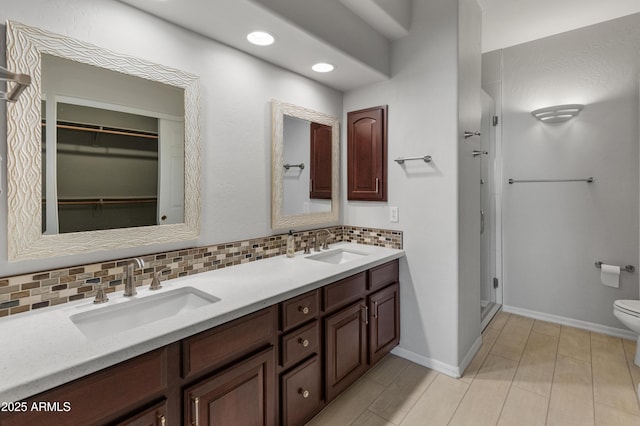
(129, 280)
(325, 243)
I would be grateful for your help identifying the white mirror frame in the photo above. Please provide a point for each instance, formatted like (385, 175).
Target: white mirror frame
(278, 219)
(24, 163)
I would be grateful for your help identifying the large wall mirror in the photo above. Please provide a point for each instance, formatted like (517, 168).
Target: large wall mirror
(305, 167)
(103, 149)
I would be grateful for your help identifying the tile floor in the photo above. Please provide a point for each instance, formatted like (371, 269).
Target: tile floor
(527, 372)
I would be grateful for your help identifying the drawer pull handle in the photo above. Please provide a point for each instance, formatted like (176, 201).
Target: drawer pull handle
(303, 392)
(196, 412)
(304, 309)
(161, 420)
(303, 342)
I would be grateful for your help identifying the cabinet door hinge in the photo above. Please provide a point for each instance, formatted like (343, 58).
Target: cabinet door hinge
(495, 282)
(495, 120)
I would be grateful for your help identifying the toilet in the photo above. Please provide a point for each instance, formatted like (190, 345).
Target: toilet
(628, 312)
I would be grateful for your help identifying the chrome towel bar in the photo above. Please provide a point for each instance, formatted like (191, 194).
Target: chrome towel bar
(628, 268)
(401, 160)
(22, 82)
(288, 166)
(588, 180)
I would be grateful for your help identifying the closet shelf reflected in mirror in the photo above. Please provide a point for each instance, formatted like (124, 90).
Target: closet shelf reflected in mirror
(102, 129)
(104, 169)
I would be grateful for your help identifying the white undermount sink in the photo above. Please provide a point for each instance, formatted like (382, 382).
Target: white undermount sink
(338, 256)
(133, 313)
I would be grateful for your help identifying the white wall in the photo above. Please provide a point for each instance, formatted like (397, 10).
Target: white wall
(423, 120)
(236, 90)
(554, 232)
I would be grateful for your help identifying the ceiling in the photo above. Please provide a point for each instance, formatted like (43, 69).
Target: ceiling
(356, 35)
(306, 31)
(509, 22)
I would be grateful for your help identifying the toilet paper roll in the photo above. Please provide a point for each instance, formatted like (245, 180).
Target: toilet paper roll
(610, 275)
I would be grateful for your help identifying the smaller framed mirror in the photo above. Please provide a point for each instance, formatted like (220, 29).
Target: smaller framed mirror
(305, 167)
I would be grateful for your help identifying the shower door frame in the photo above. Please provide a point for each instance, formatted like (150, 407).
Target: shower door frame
(494, 161)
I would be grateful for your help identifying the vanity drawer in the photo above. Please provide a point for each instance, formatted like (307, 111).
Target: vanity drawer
(344, 291)
(299, 310)
(228, 342)
(100, 396)
(299, 344)
(301, 392)
(383, 275)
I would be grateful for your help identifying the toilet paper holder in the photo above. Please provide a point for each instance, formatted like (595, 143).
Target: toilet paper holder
(628, 268)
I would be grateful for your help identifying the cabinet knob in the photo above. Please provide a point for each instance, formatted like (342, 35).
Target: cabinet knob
(161, 420)
(303, 392)
(304, 309)
(303, 342)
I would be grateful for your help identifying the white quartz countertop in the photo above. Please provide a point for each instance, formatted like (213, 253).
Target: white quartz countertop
(44, 348)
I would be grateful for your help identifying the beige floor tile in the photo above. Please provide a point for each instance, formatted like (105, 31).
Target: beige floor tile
(607, 348)
(523, 408)
(385, 371)
(437, 403)
(575, 343)
(542, 345)
(607, 416)
(499, 320)
(612, 384)
(370, 419)
(566, 375)
(535, 371)
(400, 396)
(630, 351)
(489, 336)
(520, 321)
(483, 401)
(571, 401)
(513, 337)
(546, 328)
(345, 409)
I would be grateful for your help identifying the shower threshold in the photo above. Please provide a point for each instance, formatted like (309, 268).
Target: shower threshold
(487, 312)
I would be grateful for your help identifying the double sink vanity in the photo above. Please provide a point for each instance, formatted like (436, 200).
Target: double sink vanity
(265, 342)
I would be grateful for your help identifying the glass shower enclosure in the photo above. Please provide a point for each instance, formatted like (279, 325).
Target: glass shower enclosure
(491, 289)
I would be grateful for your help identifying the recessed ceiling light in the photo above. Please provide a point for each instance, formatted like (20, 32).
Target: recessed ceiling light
(322, 67)
(261, 38)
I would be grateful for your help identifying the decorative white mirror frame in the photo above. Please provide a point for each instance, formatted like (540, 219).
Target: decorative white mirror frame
(278, 219)
(24, 163)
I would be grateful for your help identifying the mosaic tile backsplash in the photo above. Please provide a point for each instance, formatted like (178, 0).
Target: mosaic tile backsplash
(22, 293)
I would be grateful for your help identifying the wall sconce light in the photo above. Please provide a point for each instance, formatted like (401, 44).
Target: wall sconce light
(557, 113)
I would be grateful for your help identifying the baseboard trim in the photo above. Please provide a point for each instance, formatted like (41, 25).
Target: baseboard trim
(590, 326)
(431, 363)
(470, 354)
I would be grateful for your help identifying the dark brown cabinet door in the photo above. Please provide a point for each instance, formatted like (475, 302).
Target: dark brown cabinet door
(367, 154)
(301, 392)
(384, 326)
(346, 347)
(154, 416)
(243, 394)
(320, 172)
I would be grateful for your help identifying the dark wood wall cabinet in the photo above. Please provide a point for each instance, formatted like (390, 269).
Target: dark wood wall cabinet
(367, 154)
(320, 170)
(280, 365)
